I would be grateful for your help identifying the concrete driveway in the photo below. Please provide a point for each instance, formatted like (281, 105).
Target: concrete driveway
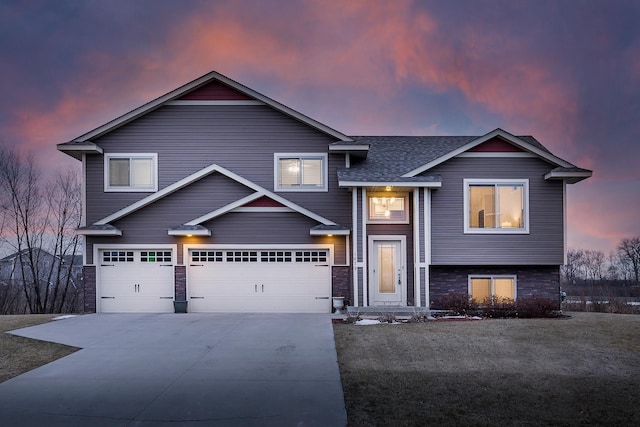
(182, 370)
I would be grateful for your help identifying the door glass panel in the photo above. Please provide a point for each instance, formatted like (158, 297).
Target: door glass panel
(386, 269)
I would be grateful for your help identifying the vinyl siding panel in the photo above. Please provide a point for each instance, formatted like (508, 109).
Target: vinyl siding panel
(544, 245)
(242, 139)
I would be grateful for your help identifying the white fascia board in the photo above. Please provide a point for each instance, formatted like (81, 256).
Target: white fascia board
(389, 184)
(201, 174)
(223, 210)
(84, 147)
(347, 148)
(568, 175)
(329, 232)
(213, 75)
(114, 232)
(206, 232)
(497, 132)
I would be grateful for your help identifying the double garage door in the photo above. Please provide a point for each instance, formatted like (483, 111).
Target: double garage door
(218, 280)
(282, 280)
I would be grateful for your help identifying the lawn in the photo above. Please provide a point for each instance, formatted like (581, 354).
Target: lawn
(576, 371)
(18, 354)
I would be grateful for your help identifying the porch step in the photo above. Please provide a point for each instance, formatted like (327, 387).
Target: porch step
(388, 309)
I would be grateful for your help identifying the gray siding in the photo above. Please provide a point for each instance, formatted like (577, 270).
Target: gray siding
(544, 245)
(239, 138)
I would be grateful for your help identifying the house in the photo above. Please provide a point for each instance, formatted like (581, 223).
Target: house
(220, 196)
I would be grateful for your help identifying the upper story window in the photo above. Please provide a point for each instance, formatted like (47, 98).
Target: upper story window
(496, 206)
(300, 172)
(388, 208)
(131, 172)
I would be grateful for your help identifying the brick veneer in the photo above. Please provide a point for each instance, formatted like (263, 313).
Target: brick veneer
(89, 288)
(540, 280)
(341, 283)
(180, 275)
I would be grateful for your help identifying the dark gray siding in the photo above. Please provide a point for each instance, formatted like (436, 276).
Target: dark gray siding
(543, 245)
(242, 139)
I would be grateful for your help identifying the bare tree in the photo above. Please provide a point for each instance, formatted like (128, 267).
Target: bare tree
(39, 221)
(629, 250)
(571, 270)
(593, 264)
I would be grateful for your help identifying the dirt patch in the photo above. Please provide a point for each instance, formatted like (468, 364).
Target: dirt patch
(18, 354)
(581, 370)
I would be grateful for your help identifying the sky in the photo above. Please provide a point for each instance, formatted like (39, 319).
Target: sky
(566, 72)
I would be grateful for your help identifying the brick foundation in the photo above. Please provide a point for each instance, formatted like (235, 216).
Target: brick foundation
(341, 283)
(539, 280)
(180, 276)
(89, 288)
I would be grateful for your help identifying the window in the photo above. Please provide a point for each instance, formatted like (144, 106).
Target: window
(485, 288)
(295, 172)
(496, 206)
(388, 208)
(131, 172)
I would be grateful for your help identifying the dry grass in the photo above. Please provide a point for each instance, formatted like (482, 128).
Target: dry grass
(19, 355)
(577, 371)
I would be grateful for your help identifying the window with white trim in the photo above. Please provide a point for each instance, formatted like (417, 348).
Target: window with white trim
(484, 289)
(496, 206)
(388, 208)
(131, 172)
(300, 172)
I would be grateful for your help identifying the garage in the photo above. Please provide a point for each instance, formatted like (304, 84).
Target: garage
(259, 280)
(136, 281)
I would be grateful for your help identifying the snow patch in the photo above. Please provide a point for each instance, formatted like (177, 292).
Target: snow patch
(368, 322)
(66, 316)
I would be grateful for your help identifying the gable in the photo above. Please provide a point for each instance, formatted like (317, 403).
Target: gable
(495, 145)
(214, 91)
(263, 202)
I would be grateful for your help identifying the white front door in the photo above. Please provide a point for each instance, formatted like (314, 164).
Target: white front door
(387, 274)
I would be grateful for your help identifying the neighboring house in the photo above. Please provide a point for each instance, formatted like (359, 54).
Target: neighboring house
(220, 196)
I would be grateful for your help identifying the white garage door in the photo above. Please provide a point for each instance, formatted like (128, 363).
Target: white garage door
(136, 281)
(295, 280)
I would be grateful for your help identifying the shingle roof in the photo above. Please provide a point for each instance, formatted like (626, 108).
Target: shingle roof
(390, 157)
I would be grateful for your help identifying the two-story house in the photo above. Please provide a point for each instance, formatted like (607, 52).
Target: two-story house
(220, 196)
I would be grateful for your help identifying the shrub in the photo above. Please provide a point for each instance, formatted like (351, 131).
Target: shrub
(458, 303)
(531, 307)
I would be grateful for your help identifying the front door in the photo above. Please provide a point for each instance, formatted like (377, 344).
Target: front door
(387, 280)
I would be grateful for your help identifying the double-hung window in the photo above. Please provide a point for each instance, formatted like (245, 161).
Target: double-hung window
(486, 288)
(131, 172)
(496, 206)
(300, 172)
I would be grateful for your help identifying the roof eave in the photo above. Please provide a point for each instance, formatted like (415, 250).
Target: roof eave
(77, 149)
(568, 177)
(389, 184)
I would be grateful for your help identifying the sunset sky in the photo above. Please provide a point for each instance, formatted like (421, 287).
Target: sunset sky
(566, 72)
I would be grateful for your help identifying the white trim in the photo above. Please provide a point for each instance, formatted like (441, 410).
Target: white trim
(350, 147)
(347, 160)
(493, 277)
(231, 206)
(354, 220)
(465, 194)
(205, 232)
(389, 184)
(130, 189)
(83, 211)
(427, 245)
(112, 232)
(223, 102)
(508, 154)
(365, 273)
(199, 175)
(416, 247)
(201, 81)
(301, 156)
(565, 175)
(262, 209)
(347, 246)
(497, 132)
(84, 148)
(403, 260)
(564, 220)
(313, 232)
(106, 246)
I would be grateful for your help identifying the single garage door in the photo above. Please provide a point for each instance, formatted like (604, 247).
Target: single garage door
(295, 280)
(136, 281)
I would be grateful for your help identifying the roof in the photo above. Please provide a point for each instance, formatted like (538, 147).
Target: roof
(83, 144)
(398, 160)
